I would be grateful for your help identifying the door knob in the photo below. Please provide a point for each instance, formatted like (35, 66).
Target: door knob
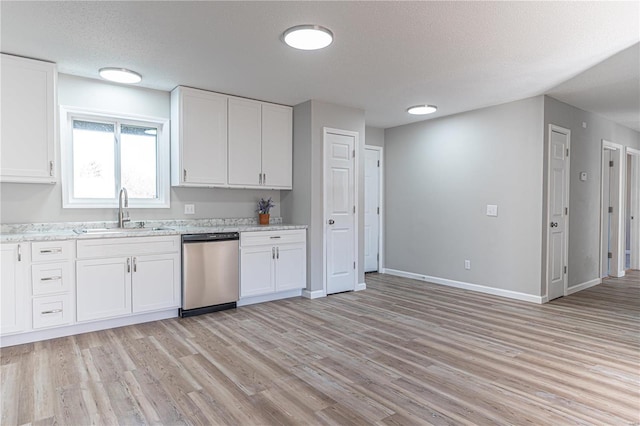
(331, 221)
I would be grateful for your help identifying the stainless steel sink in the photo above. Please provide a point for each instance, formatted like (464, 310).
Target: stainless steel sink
(98, 231)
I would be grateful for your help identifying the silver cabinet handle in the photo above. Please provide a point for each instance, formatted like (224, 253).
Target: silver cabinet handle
(277, 252)
(51, 251)
(277, 237)
(19, 253)
(50, 168)
(135, 265)
(260, 178)
(184, 175)
(51, 278)
(264, 178)
(273, 252)
(128, 265)
(53, 311)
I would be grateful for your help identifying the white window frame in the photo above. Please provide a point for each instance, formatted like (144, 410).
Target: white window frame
(68, 114)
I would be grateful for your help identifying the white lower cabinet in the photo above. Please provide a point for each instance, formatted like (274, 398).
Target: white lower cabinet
(272, 262)
(137, 275)
(13, 288)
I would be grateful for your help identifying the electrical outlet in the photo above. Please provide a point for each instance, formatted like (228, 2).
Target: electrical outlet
(189, 209)
(467, 264)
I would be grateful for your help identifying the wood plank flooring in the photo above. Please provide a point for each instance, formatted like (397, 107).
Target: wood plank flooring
(402, 352)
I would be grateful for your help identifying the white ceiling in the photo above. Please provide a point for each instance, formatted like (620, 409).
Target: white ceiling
(386, 56)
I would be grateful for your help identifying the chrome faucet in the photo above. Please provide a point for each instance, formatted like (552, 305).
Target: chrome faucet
(123, 215)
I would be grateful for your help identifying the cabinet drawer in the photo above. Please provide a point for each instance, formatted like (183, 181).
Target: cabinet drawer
(259, 238)
(47, 278)
(49, 311)
(133, 246)
(47, 251)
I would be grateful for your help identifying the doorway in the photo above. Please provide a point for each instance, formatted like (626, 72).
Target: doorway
(612, 253)
(372, 208)
(340, 217)
(632, 210)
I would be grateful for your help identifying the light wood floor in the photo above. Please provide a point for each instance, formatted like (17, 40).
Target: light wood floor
(401, 352)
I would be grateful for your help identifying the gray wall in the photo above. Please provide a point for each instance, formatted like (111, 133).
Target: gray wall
(584, 197)
(440, 174)
(306, 198)
(375, 136)
(21, 203)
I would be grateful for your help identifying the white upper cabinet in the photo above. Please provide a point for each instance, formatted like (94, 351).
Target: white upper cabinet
(277, 144)
(260, 144)
(28, 120)
(198, 138)
(245, 142)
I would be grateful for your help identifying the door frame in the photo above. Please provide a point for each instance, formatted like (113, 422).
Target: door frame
(567, 177)
(356, 138)
(635, 254)
(381, 198)
(617, 229)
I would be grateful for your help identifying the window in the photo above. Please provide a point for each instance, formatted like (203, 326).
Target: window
(103, 153)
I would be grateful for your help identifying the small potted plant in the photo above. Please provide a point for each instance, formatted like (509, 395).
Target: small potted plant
(263, 210)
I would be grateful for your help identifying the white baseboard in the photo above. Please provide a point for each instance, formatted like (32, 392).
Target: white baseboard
(361, 286)
(269, 297)
(70, 330)
(583, 286)
(468, 286)
(314, 294)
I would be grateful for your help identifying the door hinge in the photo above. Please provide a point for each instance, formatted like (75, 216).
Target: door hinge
(50, 168)
(354, 265)
(609, 255)
(567, 152)
(566, 211)
(353, 154)
(610, 209)
(184, 175)
(378, 210)
(565, 269)
(354, 209)
(378, 163)
(611, 163)
(378, 257)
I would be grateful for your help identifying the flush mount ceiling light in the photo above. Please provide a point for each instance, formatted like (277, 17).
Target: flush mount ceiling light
(120, 75)
(308, 37)
(422, 109)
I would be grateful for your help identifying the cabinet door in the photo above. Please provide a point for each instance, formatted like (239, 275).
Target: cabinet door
(199, 138)
(277, 143)
(291, 267)
(13, 288)
(155, 282)
(103, 288)
(257, 271)
(244, 142)
(28, 120)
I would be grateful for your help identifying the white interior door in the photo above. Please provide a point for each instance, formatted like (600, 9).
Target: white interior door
(371, 209)
(559, 140)
(612, 245)
(339, 190)
(606, 213)
(634, 208)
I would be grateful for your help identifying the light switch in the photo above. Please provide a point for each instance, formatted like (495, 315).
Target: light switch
(189, 209)
(492, 210)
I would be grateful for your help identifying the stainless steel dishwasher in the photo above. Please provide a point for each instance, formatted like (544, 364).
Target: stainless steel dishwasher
(210, 272)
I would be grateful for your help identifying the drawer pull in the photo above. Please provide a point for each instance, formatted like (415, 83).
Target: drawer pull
(51, 278)
(51, 251)
(53, 311)
(276, 237)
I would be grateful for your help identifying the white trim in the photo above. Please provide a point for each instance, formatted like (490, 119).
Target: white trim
(163, 157)
(584, 286)
(52, 333)
(381, 198)
(468, 286)
(360, 287)
(635, 209)
(269, 297)
(567, 132)
(314, 294)
(356, 147)
(617, 261)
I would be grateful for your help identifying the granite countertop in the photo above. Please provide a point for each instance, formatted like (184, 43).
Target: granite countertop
(14, 233)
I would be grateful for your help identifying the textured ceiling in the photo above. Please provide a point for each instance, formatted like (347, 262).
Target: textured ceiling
(386, 55)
